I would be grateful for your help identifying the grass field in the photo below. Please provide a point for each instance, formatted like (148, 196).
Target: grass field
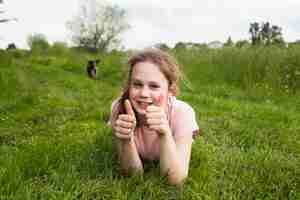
(55, 144)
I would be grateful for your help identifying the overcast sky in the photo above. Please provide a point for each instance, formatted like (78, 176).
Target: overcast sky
(167, 21)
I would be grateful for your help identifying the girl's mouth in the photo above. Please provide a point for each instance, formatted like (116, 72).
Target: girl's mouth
(144, 105)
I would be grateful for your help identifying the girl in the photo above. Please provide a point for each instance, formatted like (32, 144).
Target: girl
(148, 122)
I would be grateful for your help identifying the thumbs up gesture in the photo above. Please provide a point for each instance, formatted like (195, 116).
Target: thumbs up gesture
(157, 119)
(125, 124)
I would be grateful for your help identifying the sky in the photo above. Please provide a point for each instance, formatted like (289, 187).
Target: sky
(155, 21)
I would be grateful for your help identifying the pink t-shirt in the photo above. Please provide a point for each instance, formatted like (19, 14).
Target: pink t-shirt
(182, 122)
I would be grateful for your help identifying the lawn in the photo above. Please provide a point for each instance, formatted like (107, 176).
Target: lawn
(55, 142)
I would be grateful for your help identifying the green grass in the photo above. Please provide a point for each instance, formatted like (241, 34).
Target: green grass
(55, 144)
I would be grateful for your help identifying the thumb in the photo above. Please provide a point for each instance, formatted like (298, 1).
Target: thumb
(128, 107)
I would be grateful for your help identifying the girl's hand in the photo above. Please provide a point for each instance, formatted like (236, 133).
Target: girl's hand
(125, 124)
(157, 120)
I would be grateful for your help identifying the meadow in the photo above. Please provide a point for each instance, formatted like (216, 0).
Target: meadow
(55, 142)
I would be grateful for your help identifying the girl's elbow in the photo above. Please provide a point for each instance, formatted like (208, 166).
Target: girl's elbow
(132, 171)
(177, 179)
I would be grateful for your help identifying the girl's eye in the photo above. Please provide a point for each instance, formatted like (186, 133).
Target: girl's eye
(137, 84)
(154, 86)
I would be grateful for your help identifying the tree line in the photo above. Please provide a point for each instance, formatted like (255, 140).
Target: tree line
(101, 31)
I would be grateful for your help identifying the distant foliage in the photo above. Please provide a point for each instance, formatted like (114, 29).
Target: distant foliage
(162, 46)
(242, 43)
(266, 34)
(101, 31)
(229, 42)
(38, 42)
(59, 48)
(179, 45)
(11, 46)
(18, 53)
(294, 44)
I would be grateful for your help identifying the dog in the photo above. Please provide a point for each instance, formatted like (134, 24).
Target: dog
(92, 68)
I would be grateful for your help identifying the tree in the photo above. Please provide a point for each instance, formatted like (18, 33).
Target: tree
(276, 35)
(37, 42)
(11, 46)
(271, 34)
(254, 30)
(100, 32)
(229, 42)
(162, 46)
(242, 43)
(5, 19)
(266, 34)
(179, 45)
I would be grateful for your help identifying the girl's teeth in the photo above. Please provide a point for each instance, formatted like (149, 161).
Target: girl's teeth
(145, 104)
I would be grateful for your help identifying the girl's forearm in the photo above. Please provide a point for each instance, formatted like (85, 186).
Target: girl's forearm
(128, 157)
(170, 161)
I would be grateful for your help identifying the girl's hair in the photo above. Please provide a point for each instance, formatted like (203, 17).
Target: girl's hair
(166, 64)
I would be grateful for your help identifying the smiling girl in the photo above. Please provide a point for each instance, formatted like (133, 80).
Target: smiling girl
(148, 122)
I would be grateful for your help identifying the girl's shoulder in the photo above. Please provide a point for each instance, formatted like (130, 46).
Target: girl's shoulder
(180, 106)
(182, 119)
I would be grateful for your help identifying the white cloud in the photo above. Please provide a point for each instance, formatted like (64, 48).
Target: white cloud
(47, 17)
(154, 21)
(204, 21)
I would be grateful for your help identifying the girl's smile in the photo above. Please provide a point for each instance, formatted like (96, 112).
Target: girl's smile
(143, 105)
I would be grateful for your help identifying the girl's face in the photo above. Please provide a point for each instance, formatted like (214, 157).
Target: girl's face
(148, 86)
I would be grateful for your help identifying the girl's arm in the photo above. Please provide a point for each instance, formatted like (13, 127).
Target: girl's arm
(175, 157)
(128, 156)
(174, 153)
(123, 135)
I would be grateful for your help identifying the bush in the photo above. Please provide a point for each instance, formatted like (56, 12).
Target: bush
(18, 53)
(59, 48)
(37, 42)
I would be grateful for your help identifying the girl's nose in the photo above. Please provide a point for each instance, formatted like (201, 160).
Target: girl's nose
(145, 92)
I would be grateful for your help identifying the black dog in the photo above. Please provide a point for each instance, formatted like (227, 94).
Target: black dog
(91, 68)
